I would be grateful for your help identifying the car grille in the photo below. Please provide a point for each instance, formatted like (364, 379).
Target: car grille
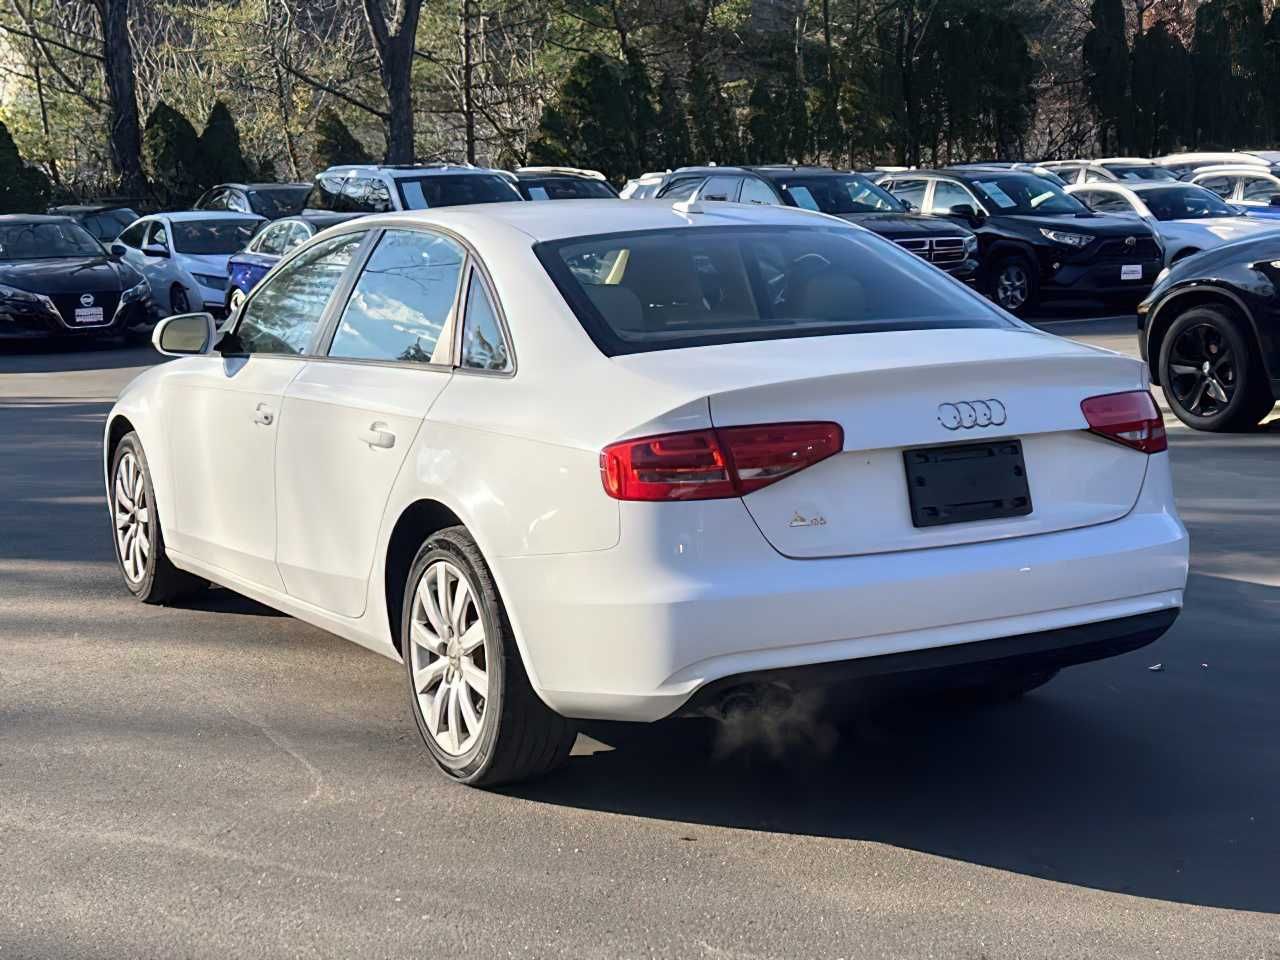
(68, 303)
(936, 249)
(1117, 250)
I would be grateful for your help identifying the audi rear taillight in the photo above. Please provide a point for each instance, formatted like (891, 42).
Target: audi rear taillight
(1130, 418)
(715, 463)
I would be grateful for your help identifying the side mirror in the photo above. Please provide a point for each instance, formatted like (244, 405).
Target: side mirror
(965, 210)
(117, 250)
(185, 335)
(155, 250)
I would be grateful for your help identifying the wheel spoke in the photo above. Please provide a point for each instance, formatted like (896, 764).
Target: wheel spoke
(459, 609)
(426, 597)
(143, 516)
(122, 494)
(1216, 390)
(477, 679)
(455, 719)
(144, 546)
(122, 519)
(1193, 404)
(472, 639)
(424, 678)
(442, 594)
(1183, 369)
(435, 709)
(470, 718)
(426, 639)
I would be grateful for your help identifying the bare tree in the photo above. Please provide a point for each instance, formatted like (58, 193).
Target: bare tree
(394, 34)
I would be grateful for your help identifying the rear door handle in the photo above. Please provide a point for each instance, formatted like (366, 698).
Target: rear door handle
(378, 436)
(263, 415)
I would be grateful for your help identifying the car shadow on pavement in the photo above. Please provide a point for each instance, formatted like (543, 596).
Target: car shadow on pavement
(1156, 783)
(61, 356)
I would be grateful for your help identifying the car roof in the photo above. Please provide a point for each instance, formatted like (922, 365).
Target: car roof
(33, 218)
(582, 218)
(258, 186)
(70, 209)
(1127, 161)
(190, 216)
(538, 173)
(1251, 169)
(415, 169)
(1211, 157)
(321, 218)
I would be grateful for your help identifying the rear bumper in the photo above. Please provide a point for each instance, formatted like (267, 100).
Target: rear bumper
(697, 596)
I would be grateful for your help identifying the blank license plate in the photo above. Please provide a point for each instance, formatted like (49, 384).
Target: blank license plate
(88, 315)
(965, 482)
(1131, 271)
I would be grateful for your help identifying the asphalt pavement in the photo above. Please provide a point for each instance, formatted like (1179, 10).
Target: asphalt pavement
(223, 781)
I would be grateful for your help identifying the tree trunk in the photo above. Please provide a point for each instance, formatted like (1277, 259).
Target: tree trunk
(468, 84)
(393, 41)
(124, 134)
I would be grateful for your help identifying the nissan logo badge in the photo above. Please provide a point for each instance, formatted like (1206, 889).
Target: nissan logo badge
(968, 414)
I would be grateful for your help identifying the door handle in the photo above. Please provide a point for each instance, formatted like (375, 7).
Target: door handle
(378, 436)
(263, 415)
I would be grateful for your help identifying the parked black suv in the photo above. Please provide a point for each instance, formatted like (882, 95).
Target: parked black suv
(1035, 240)
(849, 196)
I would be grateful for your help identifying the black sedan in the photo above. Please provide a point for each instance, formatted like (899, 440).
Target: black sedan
(57, 280)
(1210, 332)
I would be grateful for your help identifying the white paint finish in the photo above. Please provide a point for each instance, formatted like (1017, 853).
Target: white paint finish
(622, 610)
(222, 456)
(332, 479)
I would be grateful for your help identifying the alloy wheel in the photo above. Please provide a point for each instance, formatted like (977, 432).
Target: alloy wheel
(1013, 286)
(448, 658)
(132, 517)
(1202, 372)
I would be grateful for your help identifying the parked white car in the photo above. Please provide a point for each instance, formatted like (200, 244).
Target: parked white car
(1186, 218)
(1182, 164)
(184, 255)
(1251, 187)
(621, 460)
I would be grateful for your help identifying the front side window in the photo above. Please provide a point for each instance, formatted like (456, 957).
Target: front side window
(216, 237)
(454, 189)
(839, 194)
(403, 300)
(757, 191)
(682, 189)
(910, 191)
(299, 233)
(1104, 202)
(159, 235)
(484, 347)
(1259, 189)
(719, 188)
(1222, 186)
(281, 317)
(132, 237)
(948, 195)
(684, 287)
(271, 241)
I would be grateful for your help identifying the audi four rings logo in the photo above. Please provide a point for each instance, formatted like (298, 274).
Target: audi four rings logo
(86, 299)
(968, 414)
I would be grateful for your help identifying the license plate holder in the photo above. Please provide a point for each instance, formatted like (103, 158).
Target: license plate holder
(1131, 271)
(89, 316)
(966, 482)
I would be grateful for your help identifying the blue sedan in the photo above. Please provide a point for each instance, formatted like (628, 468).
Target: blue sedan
(264, 251)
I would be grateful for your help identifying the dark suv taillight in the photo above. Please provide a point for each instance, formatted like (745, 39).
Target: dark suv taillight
(1130, 418)
(715, 463)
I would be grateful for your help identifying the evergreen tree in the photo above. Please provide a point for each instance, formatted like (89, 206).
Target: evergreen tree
(1161, 92)
(796, 113)
(713, 133)
(172, 151)
(761, 140)
(593, 120)
(644, 118)
(673, 126)
(335, 144)
(1226, 65)
(220, 148)
(23, 187)
(1106, 65)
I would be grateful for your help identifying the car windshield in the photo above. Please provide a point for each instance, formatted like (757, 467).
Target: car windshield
(275, 202)
(1140, 172)
(1026, 195)
(566, 188)
(46, 241)
(212, 236)
(685, 287)
(1185, 203)
(454, 189)
(842, 194)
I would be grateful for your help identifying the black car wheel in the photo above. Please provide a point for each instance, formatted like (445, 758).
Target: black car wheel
(1013, 283)
(1211, 372)
(178, 300)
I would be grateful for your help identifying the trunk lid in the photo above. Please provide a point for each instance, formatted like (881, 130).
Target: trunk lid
(887, 390)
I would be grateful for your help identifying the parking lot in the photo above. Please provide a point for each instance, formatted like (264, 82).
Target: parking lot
(224, 781)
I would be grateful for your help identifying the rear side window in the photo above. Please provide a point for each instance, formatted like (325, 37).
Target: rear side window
(402, 301)
(326, 194)
(1222, 186)
(682, 287)
(367, 195)
(484, 347)
(132, 237)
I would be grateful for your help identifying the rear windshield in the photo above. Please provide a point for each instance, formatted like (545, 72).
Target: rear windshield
(455, 189)
(684, 287)
(212, 236)
(851, 194)
(566, 188)
(46, 241)
(1142, 172)
(276, 202)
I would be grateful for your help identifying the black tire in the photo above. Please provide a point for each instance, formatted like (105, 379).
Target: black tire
(520, 737)
(1002, 689)
(160, 582)
(1013, 283)
(178, 300)
(1235, 393)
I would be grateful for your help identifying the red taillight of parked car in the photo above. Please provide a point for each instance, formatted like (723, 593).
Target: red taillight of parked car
(717, 463)
(1129, 418)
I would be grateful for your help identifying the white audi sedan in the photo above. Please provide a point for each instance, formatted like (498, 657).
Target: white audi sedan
(626, 461)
